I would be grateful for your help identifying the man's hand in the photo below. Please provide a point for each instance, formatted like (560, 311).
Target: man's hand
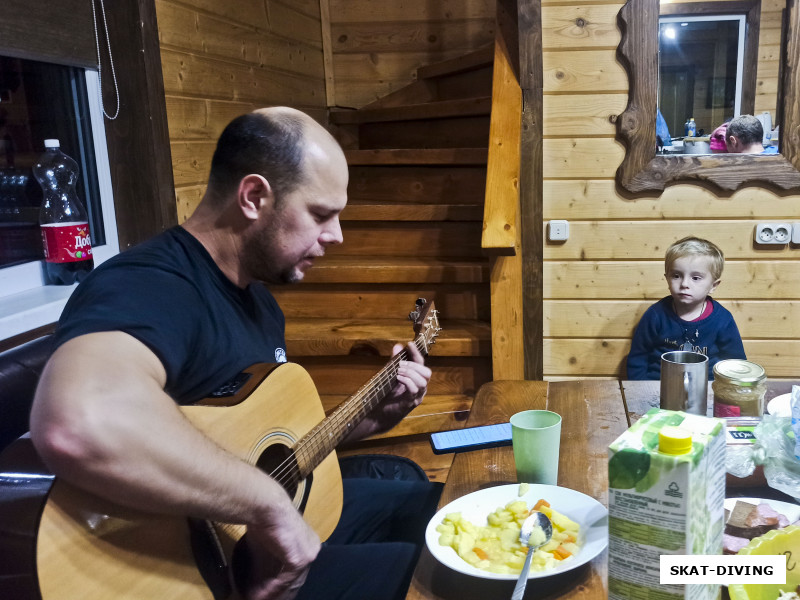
(412, 384)
(280, 555)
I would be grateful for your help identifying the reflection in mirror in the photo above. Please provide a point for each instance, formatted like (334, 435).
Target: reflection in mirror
(701, 63)
(766, 82)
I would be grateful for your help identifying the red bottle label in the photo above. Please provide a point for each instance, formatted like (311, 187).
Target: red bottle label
(726, 410)
(68, 242)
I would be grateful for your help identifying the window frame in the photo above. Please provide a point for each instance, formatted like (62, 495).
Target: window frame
(138, 142)
(24, 305)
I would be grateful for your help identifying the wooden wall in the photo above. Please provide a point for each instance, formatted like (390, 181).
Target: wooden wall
(376, 45)
(222, 59)
(599, 282)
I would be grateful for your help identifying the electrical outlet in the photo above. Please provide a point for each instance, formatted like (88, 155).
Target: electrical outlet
(557, 231)
(773, 233)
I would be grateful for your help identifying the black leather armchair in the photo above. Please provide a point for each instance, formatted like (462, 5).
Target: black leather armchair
(20, 368)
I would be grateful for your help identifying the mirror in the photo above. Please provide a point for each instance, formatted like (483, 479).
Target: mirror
(643, 169)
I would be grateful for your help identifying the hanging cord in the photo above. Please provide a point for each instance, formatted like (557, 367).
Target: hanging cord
(100, 64)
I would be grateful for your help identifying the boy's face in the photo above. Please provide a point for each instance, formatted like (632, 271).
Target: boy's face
(690, 280)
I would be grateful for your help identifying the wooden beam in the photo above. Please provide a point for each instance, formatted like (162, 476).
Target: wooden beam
(501, 233)
(327, 51)
(531, 211)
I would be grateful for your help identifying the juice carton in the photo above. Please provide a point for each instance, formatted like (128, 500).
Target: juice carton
(666, 496)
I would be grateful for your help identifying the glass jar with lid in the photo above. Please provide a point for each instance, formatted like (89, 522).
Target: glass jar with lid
(739, 388)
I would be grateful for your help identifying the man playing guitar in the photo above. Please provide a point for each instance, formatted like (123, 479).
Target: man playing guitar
(174, 319)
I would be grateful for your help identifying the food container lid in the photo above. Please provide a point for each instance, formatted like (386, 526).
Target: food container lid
(741, 372)
(674, 440)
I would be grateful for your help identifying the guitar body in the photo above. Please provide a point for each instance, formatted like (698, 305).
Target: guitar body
(89, 549)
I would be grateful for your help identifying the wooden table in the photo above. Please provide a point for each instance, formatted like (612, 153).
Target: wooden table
(594, 414)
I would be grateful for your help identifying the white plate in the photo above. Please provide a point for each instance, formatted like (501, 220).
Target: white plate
(780, 406)
(584, 510)
(789, 510)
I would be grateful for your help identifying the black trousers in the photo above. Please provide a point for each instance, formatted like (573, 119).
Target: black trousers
(372, 553)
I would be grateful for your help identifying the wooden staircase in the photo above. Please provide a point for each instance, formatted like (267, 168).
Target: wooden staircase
(412, 228)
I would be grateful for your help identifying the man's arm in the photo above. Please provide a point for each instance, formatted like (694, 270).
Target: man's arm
(102, 421)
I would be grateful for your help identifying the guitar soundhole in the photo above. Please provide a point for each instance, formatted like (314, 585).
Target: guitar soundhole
(279, 462)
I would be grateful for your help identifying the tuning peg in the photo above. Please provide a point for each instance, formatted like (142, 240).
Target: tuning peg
(413, 315)
(421, 302)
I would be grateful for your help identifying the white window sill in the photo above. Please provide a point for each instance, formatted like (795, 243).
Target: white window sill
(32, 308)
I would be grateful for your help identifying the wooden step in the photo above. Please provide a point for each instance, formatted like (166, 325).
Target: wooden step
(348, 269)
(344, 375)
(409, 184)
(429, 156)
(339, 337)
(461, 301)
(436, 413)
(474, 60)
(428, 110)
(456, 132)
(384, 301)
(433, 239)
(381, 211)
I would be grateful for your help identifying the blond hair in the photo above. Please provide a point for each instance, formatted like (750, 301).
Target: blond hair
(693, 246)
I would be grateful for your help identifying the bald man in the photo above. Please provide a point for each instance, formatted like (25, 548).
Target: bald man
(179, 316)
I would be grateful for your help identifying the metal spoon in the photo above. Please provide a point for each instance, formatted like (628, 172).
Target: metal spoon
(535, 519)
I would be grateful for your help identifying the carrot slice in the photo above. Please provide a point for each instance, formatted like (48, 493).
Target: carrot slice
(561, 553)
(481, 554)
(540, 504)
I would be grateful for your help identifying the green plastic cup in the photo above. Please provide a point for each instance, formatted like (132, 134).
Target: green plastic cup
(536, 438)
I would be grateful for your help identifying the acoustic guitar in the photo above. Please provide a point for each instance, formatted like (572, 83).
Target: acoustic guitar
(58, 542)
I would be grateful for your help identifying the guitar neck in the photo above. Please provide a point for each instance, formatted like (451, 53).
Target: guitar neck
(325, 437)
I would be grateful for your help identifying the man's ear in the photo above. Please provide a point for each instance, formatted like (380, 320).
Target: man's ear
(254, 195)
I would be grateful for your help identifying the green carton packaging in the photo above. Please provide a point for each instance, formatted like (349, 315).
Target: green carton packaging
(661, 503)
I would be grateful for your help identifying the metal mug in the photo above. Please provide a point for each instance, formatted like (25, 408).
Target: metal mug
(684, 382)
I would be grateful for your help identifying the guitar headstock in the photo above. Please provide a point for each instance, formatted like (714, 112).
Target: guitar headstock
(426, 323)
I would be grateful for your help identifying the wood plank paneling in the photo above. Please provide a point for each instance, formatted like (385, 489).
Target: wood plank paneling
(377, 46)
(221, 60)
(756, 319)
(635, 240)
(583, 71)
(588, 26)
(745, 279)
(578, 356)
(598, 199)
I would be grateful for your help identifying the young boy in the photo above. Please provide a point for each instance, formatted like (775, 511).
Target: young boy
(687, 319)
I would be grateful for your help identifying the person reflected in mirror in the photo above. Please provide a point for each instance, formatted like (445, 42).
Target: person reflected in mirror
(663, 138)
(689, 319)
(717, 141)
(745, 135)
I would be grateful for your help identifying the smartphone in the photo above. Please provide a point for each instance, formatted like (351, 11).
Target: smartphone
(471, 438)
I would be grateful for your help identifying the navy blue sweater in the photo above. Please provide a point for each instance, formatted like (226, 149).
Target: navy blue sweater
(662, 330)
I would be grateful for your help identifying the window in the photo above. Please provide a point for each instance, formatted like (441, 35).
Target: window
(37, 101)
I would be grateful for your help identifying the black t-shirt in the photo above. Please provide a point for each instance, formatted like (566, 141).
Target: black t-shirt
(169, 294)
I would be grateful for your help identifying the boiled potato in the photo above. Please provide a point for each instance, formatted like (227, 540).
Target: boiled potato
(495, 547)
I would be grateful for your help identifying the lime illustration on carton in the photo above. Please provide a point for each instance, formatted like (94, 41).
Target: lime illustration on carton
(666, 496)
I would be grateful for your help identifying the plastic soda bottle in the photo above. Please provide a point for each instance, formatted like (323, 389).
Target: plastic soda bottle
(63, 218)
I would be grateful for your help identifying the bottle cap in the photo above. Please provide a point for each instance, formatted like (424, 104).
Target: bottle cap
(52, 143)
(674, 440)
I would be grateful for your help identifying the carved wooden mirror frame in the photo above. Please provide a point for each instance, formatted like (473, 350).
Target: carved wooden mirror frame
(642, 170)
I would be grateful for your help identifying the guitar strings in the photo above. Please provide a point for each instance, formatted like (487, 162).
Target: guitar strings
(362, 402)
(287, 472)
